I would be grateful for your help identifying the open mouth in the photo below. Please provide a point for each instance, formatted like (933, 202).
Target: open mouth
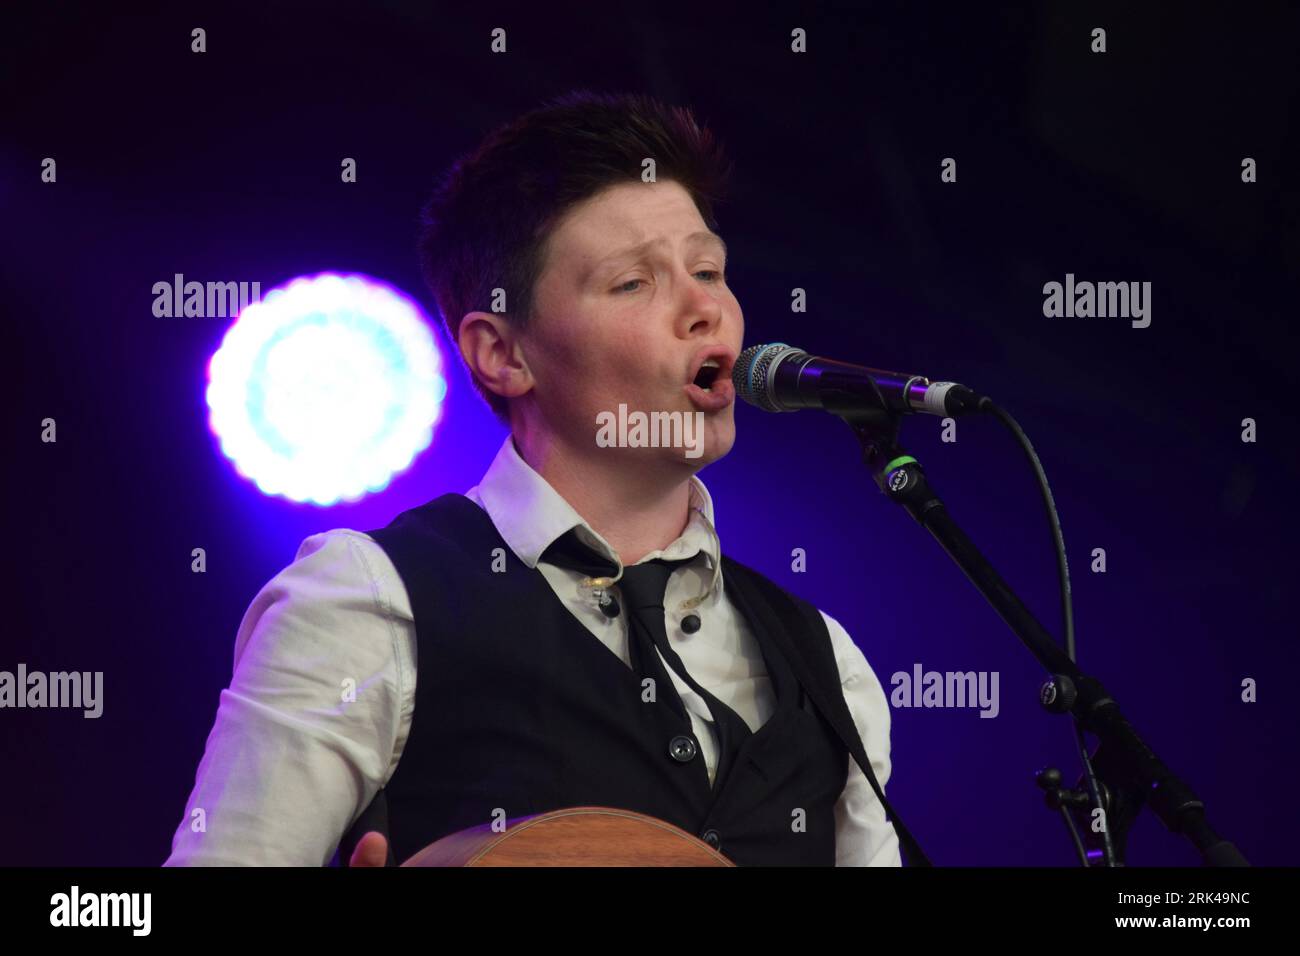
(708, 374)
(710, 389)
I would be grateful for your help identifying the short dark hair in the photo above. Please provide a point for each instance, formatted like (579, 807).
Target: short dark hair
(492, 213)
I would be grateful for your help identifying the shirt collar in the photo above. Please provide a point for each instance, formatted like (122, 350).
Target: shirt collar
(530, 514)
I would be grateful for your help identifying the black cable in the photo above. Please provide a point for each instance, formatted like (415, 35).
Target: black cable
(1053, 519)
(1067, 601)
(1074, 835)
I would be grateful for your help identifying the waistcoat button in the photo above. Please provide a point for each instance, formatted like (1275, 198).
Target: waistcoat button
(682, 749)
(712, 838)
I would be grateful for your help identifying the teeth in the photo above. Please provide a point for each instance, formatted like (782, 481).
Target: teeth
(710, 363)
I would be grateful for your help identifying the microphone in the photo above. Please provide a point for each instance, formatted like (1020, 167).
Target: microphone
(780, 378)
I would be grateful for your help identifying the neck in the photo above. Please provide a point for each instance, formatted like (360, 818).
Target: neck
(632, 505)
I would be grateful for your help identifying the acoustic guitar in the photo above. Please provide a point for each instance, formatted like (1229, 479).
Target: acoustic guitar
(577, 836)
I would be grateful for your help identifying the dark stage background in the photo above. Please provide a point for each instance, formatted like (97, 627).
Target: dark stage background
(1122, 166)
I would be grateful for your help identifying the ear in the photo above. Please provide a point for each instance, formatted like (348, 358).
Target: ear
(490, 346)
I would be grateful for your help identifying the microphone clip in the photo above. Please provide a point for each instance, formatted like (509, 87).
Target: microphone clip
(606, 601)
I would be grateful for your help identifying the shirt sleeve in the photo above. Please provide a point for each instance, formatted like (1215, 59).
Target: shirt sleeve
(863, 836)
(316, 714)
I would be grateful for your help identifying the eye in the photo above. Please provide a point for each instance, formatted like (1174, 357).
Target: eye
(715, 276)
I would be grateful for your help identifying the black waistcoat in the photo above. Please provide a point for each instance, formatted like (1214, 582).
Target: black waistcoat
(520, 710)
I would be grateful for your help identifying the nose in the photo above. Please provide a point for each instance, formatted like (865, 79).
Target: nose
(700, 310)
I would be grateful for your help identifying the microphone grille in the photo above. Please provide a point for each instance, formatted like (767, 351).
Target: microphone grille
(750, 374)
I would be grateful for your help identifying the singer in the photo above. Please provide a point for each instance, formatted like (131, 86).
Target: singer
(466, 662)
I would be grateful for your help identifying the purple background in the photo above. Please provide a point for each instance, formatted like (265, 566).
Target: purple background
(1122, 166)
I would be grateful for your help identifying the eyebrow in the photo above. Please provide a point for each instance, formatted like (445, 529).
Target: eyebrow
(702, 236)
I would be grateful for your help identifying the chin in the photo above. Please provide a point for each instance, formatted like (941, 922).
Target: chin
(719, 437)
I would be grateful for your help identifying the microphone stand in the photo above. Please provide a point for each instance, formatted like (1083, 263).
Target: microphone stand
(1131, 772)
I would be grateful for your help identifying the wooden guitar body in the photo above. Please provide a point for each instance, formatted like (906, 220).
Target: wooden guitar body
(577, 836)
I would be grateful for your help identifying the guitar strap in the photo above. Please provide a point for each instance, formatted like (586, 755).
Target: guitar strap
(797, 618)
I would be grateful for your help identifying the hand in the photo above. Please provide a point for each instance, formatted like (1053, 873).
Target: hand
(372, 850)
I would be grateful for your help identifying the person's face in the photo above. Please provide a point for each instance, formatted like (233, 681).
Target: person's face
(632, 294)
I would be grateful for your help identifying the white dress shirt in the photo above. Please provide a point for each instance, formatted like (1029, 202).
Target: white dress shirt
(289, 764)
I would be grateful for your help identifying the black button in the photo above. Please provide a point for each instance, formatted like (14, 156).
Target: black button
(691, 623)
(682, 749)
(712, 838)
